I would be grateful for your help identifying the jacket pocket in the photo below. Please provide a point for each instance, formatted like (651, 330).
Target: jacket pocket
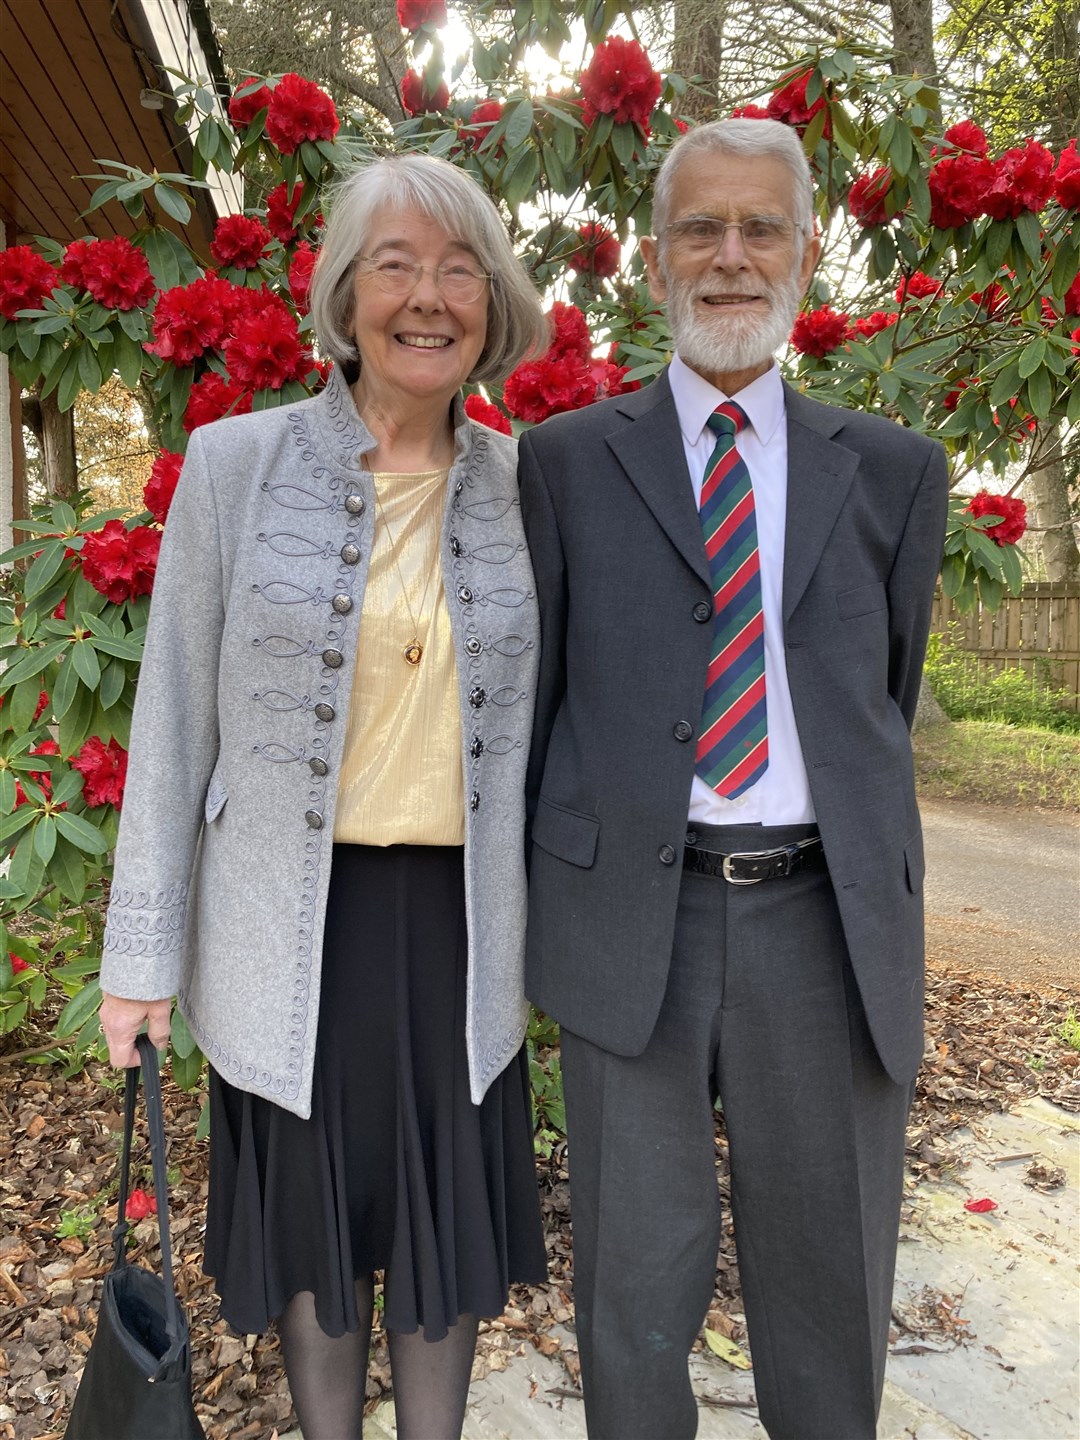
(863, 600)
(565, 834)
(216, 795)
(915, 864)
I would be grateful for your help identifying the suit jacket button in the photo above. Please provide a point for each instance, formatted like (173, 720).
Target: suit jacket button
(333, 658)
(354, 504)
(350, 553)
(702, 611)
(683, 730)
(318, 766)
(342, 604)
(314, 819)
(325, 712)
(666, 854)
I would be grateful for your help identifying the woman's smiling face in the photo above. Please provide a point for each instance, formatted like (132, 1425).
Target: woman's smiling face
(419, 343)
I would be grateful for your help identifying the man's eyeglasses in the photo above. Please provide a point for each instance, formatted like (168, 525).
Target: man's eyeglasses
(457, 280)
(761, 234)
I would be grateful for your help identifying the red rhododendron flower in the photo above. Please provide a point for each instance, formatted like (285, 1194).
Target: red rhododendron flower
(43, 697)
(1023, 180)
(17, 963)
(40, 777)
(115, 272)
(483, 120)
(952, 399)
(1067, 178)
(301, 269)
(750, 112)
(25, 280)
(104, 771)
(1072, 298)
(212, 398)
(416, 100)
(265, 352)
(919, 287)
(788, 104)
(867, 325)
(1075, 338)
(159, 489)
(120, 563)
(994, 298)
(299, 111)
(482, 411)
(600, 253)
(610, 379)
(569, 331)
(240, 241)
(958, 187)
(140, 1204)
(966, 135)
(251, 97)
(1013, 514)
(619, 81)
(281, 212)
(548, 386)
(819, 332)
(980, 1207)
(412, 14)
(866, 198)
(191, 319)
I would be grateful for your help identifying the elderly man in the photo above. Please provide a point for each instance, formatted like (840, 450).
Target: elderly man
(726, 860)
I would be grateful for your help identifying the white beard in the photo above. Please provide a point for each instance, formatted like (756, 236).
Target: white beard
(722, 343)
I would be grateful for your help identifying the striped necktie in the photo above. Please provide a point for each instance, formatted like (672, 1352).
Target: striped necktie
(733, 748)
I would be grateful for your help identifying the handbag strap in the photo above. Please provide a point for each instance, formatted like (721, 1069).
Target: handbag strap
(148, 1066)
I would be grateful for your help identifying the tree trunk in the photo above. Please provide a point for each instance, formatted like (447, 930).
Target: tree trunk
(913, 39)
(1049, 490)
(1065, 47)
(55, 431)
(697, 50)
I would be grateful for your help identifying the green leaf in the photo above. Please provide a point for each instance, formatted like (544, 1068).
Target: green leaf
(67, 787)
(518, 124)
(183, 1042)
(69, 871)
(44, 833)
(27, 867)
(124, 647)
(1011, 568)
(1006, 385)
(1031, 357)
(79, 1009)
(186, 1071)
(67, 391)
(64, 687)
(86, 663)
(113, 678)
(81, 833)
(32, 662)
(75, 723)
(19, 707)
(44, 568)
(129, 361)
(173, 203)
(7, 791)
(952, 574)
(990, 590)
(998, 238)
(1027, 226)
(1040, 393)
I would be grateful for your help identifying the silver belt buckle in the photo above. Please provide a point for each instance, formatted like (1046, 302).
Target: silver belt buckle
(744, 855)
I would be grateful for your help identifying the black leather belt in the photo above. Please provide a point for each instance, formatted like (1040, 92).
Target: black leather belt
(748, 867)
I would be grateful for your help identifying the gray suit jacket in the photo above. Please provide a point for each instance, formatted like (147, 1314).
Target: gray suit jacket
(223, 861)
(624, 592)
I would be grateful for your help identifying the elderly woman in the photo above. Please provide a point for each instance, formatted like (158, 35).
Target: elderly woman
(321, 849)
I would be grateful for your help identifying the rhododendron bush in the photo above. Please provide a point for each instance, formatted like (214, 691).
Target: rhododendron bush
(958, 314)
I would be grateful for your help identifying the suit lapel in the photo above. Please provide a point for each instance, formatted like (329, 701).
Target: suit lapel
(652, 454)
(820, 473)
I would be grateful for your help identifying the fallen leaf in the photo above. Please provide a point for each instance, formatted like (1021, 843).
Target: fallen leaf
(727, 1350)
(980, 1207)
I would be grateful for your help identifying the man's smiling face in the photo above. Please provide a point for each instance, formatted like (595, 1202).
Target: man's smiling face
(731, 302)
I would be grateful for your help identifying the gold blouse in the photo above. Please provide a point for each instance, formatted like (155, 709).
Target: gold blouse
(401, 781)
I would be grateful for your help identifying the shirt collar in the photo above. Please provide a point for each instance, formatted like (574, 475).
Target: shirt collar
(695, 400)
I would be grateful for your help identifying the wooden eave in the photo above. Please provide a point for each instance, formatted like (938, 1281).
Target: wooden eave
(71, 76)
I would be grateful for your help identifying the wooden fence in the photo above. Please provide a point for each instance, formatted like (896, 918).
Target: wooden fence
(1037, 631)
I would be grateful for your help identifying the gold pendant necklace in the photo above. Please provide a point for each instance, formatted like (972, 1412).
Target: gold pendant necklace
(413, 652)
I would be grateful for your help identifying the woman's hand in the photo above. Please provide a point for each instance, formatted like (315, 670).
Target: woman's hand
(122, 1020)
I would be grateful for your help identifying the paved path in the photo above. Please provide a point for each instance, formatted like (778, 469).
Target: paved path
(1003, 890)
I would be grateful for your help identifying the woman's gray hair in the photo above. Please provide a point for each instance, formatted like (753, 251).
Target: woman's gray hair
(743, 138)
(515, 322)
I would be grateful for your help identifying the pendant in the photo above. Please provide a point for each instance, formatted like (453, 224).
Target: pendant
(413, 653)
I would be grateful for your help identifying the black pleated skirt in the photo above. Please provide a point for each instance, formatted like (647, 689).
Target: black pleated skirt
(396, 1170)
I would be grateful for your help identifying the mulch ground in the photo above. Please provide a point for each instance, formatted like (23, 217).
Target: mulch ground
(990, 1045)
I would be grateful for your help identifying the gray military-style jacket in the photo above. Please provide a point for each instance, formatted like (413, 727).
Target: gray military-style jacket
(224, 854)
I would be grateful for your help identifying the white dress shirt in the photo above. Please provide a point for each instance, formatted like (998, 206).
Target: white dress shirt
(782, 795)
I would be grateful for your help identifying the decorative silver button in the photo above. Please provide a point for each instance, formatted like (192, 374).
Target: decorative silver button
(350, 553)
(473, 646)
(456, 546)
(474, 800)
(477, 696)
(333, 658)
(458, 488)
(342, 604)
(314, 819)
(318, 766)
(465, 595)
(354, 504)
(476, 749)
(325, 712)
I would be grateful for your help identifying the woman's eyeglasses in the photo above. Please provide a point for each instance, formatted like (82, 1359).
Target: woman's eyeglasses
(456, 280)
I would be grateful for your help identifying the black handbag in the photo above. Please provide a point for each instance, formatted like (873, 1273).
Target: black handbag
(137, 1381)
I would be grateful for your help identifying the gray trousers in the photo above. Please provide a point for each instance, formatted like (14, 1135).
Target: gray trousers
(761, 1009)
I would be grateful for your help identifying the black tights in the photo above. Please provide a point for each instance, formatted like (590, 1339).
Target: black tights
(328, 1374)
